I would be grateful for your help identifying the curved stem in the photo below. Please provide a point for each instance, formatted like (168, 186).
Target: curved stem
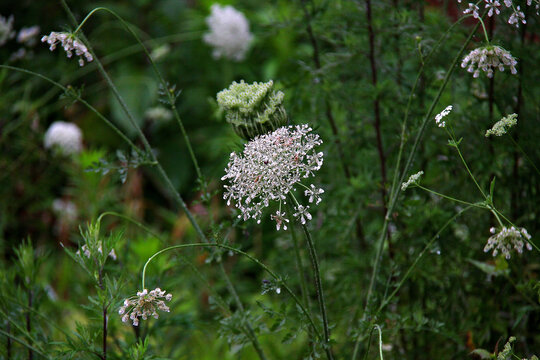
(451, 198)
(253, 259)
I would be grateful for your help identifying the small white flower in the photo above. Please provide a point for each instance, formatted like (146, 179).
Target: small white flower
(66, 136)
(280, 219)
(302, 213)
(86, 251)
(28, 35)
(314, 194)
(501, 127)
(506, 239)
(441, 115)
(472, 9)
(144, 305)
(493, 6)
(413, 179)
(516, 17)
(70, 43)
(229, 33)
(487, 59)
(6, 29)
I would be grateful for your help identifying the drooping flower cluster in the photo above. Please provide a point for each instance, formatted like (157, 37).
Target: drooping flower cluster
(439, 117)
(494, 8)
(66, 136)
(506, 239)
(501, 127)
(144, 305)
(229, 33)
(487, 59)
(28, 35)
(6, 29)
(70, 43)
(269, 168)
(253, 109)
(413, 179)
(86, 251)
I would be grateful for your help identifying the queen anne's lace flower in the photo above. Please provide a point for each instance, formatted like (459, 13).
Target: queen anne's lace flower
(507, 238)
(413, 179)
(66, 136)
(70, 43)
(229, 33)
(501, 127)
(302, 213)
(6, 29)
(439, 117)
(314, 194)
(487, 59)
(269, 168)
(143, 305)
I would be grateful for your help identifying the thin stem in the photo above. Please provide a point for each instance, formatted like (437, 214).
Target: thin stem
(320, 294)
(104, 357)
(253, 259)
(380, 340)
(408, 163)
(524, 153)
(449, 197)
(29, 323)
(23, 343)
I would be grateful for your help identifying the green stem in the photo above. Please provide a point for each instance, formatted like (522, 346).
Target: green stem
(23, 343)
(380, 340)
(450, 198)
(393, 200)
(524, 153)
(253, 259)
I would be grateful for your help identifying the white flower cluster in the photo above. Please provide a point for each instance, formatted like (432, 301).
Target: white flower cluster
(6, 29)
(413, 179)
(66, 136)
(439, 117)
(487, 59)
(88, 253)
(501, 127)
(269, 168)
(70, 44)
(494, 8)
(28, 35)
(229, 33)
(143, 305)
(507, 238)
(158, 113)
(65, 209)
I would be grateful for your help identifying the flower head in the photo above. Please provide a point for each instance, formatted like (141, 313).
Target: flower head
(506, 239)
(28, 35)
(253, 109)
(487, 59)
(70, 43)
(269, 168)
(441, 115)
(229, 33)
(302, 213)
(413, 179)
(143, 305)
(6, 29)
(501, 127)
(66, 136)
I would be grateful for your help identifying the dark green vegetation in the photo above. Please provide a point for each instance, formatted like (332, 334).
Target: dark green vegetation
(407, 267)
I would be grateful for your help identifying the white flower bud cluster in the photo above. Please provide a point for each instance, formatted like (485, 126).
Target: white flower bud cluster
(487, 59)
(506, 239)
(501, 127)
(494, 8)
(86, 251)
(6, 29)
(229, 33)
(28, 35)
(70, 44)
(144, 305)
(269, 168)
(413, 179)
(66, 136)
(439, 117)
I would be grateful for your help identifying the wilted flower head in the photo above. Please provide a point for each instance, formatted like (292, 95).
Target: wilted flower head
(253, 109)
(413, 179)
(28, 35)
(269, 168)
(6, 29)
(439, 117)
(70, 43)
(66, 136)
(143, 305)
(487, 59)
(501, 127)
(229, 33)
(506, 239)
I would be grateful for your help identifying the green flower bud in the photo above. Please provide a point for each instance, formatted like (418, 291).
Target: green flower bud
(254, 109)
